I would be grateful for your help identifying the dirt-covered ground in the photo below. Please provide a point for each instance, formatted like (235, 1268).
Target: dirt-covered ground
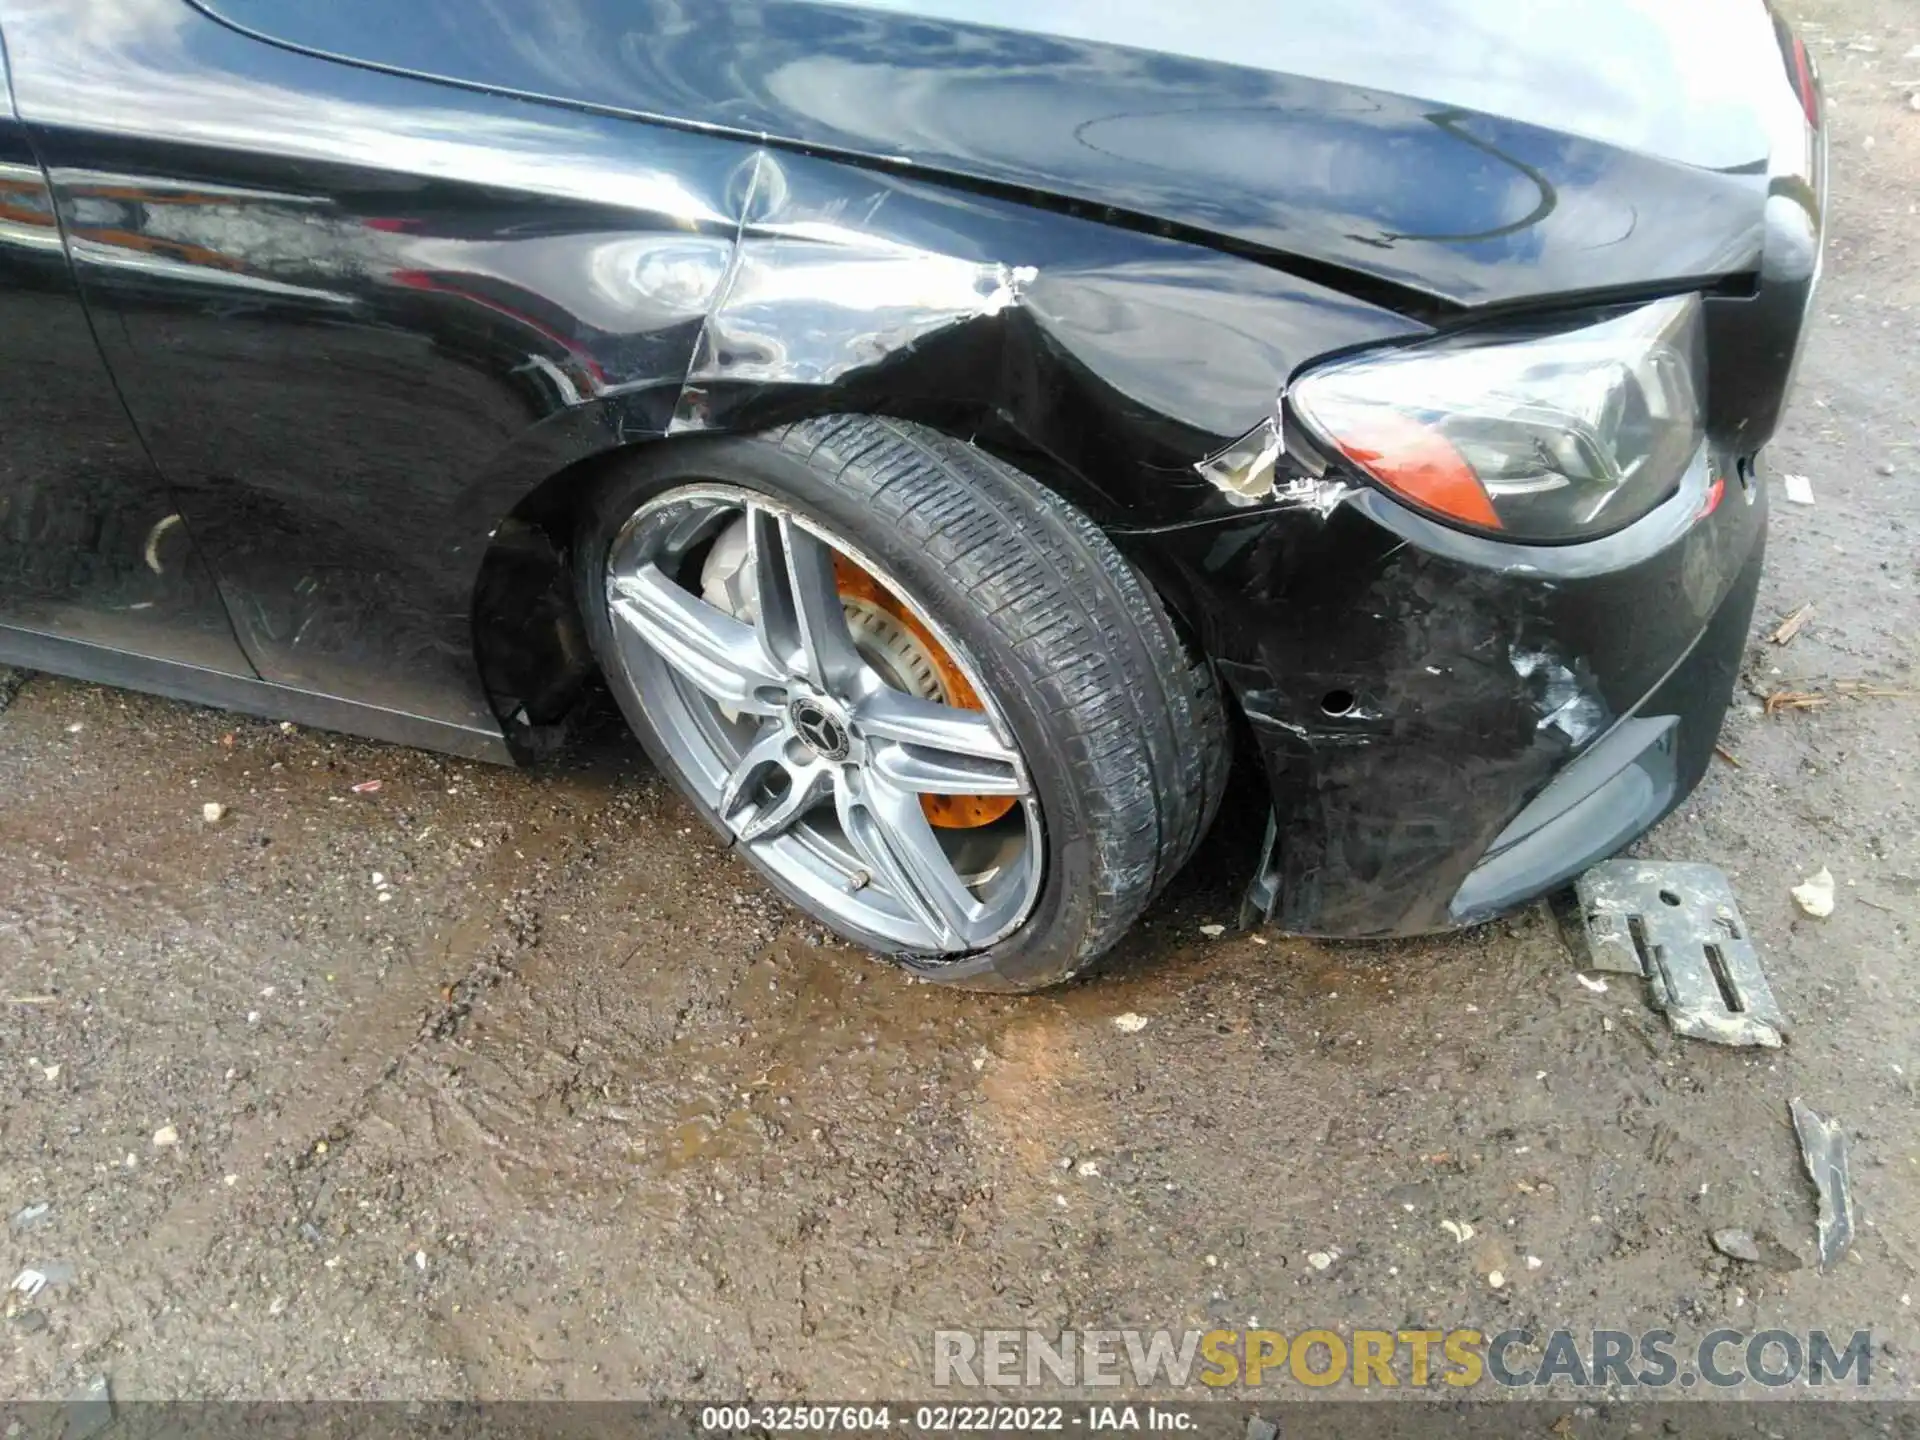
(516, 1084)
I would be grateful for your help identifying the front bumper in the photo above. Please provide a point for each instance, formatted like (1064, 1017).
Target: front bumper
(1451, 725)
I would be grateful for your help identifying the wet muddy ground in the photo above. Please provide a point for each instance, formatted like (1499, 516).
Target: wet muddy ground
(516, 1084)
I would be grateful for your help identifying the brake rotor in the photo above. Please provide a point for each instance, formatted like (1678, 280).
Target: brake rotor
(887, 632)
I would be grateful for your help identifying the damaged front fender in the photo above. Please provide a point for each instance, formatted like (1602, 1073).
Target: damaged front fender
(1121, 360)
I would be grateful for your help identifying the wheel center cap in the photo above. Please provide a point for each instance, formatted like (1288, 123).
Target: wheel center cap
(824, 732)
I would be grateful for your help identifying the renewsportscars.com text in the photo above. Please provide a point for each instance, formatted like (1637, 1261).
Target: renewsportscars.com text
(1462, 1358)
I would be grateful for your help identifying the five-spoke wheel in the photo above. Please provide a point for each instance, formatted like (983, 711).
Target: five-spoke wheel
(812, 751)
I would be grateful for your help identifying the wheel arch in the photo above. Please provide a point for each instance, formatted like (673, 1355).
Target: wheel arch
(529, 645)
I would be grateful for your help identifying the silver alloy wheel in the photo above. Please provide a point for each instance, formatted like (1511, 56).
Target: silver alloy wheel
(796, 740)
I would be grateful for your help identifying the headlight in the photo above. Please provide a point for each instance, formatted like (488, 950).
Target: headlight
(1561, 437)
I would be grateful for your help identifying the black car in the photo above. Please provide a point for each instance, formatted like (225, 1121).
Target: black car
(945, 424)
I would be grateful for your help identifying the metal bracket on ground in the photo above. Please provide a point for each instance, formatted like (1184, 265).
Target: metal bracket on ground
(1680, 927)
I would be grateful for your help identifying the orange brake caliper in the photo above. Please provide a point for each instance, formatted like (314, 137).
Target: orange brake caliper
(949, 812)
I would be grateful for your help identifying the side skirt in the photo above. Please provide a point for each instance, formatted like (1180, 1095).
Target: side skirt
(82, 661)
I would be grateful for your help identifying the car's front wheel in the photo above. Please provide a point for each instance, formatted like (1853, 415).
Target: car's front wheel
(922, 695)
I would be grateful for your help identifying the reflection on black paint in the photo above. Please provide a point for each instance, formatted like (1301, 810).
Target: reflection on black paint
(91, 545)
(1225, 141)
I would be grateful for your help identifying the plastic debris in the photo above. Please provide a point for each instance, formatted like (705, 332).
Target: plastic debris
(1799, 489)
(1213, 932)
(1593, 983)
(368, 787)
(213, 812)
(1458, 1229)
(1824, 1149)
(1130, 1023)
(1678, 926)
(28, 1216)
(29, 1282)
(1815, 895)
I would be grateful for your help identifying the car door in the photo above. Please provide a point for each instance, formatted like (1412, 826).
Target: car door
(357, 316)
(98, 574)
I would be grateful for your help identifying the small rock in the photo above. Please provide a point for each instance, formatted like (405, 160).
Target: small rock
(1799, 489)
(1815, 895)
(1320, 1260)
(213, 812)
(1496, 1279)
(1213, 932)
(1913, 103)
(1885, 467)
(419, 1259)
(1737, 1245)
(1088, 1169)
(1258, 1429)
(1458, 1229)
(165, 1138)
(1593, 983)
(1130, 1023)
(1534, 1262)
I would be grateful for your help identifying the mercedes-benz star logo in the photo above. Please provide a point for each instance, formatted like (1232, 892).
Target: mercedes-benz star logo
(824, 734)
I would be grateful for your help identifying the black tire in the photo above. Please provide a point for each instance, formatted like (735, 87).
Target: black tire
(1122, 726)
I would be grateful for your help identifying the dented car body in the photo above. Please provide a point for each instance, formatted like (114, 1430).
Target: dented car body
(316, 315)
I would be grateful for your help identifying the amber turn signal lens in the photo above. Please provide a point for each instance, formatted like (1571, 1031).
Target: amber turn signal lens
(1420, 463)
